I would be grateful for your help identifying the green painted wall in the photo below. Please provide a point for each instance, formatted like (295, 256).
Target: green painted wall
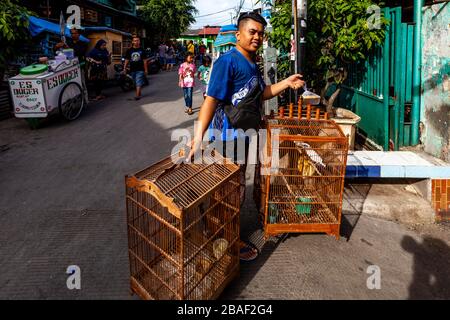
(435, 101)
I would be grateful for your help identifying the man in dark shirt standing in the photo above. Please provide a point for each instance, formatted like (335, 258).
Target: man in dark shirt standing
(137, 58)
(78, 46)
(79, 49)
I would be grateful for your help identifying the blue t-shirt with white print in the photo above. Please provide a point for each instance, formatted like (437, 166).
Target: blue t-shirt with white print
(232, 78)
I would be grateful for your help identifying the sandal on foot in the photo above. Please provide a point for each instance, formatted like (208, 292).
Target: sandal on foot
(248, 251)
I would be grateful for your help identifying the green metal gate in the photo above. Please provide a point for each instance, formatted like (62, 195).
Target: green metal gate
(380, 89)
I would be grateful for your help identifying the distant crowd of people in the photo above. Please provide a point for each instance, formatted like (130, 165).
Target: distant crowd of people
(171, 54)
(191, 58)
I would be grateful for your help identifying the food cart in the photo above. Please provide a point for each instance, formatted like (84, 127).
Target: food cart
(40, 90)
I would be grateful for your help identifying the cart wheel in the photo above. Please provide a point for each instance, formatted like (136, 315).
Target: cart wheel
(71, 101)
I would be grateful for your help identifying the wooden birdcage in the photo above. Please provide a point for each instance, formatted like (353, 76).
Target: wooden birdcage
(183, 228)
(299, 183)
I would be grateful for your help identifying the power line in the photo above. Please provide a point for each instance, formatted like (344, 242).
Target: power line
(214, 13)
(215, 22)
(237, 10)
(213, 18)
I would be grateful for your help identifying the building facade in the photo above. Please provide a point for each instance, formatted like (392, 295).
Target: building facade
(115, 14)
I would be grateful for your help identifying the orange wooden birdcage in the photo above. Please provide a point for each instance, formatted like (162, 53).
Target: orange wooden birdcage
(299, 184)
(183, 228)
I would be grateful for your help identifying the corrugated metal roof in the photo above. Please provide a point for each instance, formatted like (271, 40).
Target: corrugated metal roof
(209, 31)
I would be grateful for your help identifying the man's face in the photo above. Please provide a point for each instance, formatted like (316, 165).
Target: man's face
(75, 34)
(250, 35)
(136, 42)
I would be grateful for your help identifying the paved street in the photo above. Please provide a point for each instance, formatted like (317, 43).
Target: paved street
(62, 203)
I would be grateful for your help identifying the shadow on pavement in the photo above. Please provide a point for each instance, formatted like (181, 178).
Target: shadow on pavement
(431, 279)
(355, 194)
(252, 231)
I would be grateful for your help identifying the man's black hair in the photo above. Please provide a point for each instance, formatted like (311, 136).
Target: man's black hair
(251, 16)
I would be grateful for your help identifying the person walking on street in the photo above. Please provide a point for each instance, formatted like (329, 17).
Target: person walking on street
(191, 48)
(137, 58)
(201, 52)
(99, 59)
(203, 74)
(236, 84)
(186, 79)
(162, 50)
(170, 57)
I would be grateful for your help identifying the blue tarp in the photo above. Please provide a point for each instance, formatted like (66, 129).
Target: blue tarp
(228, 28)
(38, 26)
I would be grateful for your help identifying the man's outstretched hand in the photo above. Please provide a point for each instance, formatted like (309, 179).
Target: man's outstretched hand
(195, 147)
(295, 81)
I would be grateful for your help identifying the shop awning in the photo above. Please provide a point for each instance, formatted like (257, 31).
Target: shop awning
(227, 36)
(225, 39)
(37, 26)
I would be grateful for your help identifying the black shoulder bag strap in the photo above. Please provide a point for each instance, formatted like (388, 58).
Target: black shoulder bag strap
(248, 113)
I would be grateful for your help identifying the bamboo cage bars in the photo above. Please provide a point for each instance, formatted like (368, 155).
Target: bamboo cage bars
(183, 229)
(303, 192)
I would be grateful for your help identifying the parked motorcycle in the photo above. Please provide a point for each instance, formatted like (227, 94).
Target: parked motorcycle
(125, 81)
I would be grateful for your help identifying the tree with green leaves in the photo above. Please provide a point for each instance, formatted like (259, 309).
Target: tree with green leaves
(169, 18)
(340, 33)
(13, 30)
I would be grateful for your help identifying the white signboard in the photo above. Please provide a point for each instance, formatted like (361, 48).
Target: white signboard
(36, 97)
(28, 97)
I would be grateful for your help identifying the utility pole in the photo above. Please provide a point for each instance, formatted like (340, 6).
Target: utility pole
(302, 16)
(300, 13)
(295, 32)
(270, 55)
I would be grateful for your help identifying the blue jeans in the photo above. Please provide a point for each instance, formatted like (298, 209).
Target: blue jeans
(138, 77)
(188, 96)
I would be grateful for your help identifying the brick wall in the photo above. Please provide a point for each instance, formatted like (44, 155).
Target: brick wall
(440, 193)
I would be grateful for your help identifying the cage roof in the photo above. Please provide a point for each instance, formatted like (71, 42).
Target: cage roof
(311, 129)
(178, 185)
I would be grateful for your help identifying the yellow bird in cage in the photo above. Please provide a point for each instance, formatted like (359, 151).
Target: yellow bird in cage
(305, 166)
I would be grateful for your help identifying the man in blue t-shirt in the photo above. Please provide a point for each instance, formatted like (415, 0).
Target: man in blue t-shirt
(234, 76)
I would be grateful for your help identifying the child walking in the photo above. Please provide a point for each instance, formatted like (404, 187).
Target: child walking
(203, 74)
(186, 74)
